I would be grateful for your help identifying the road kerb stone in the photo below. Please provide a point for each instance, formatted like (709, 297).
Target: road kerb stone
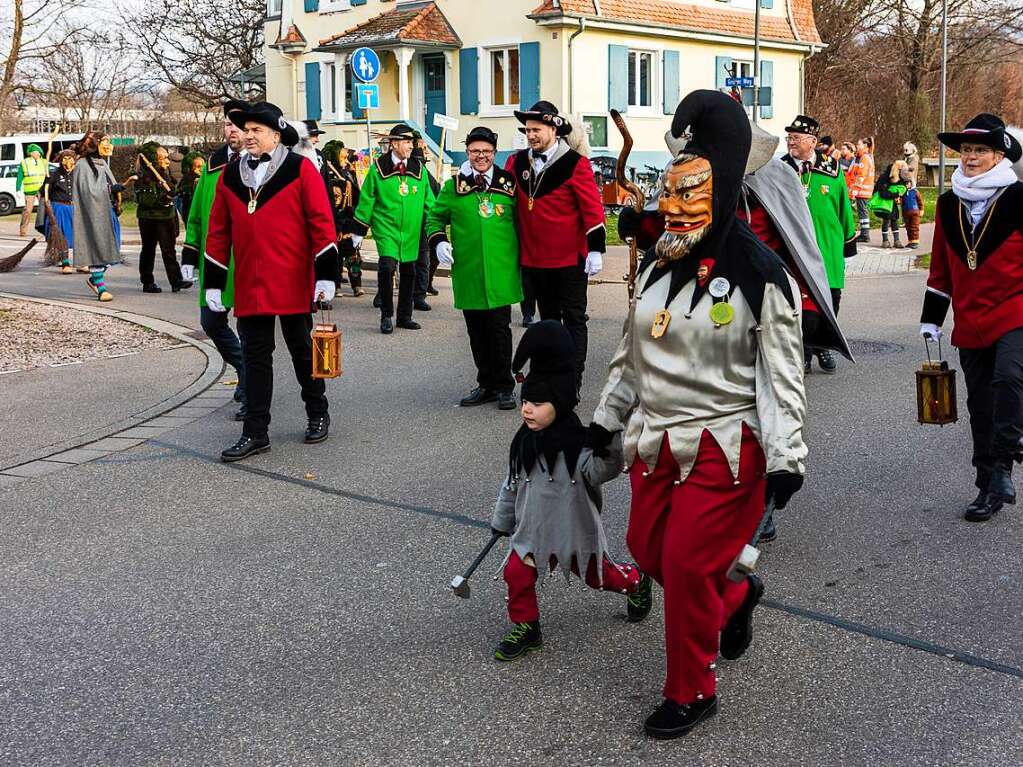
(78, 455)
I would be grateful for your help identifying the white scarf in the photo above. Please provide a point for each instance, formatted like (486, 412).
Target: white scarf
(978, 191)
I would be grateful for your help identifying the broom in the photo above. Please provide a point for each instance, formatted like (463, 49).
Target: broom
(11, 262)
(56, 242)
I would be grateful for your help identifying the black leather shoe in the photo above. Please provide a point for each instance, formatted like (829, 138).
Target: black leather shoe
(242, 412)
(982, 509)
(245, 447)
(377, 302)
(673, 720)
(863, 238)
(409, 325)
(827, 361)
(433, 291)
(152, 287)
(421, 306)
(738, 633)
(317, 429)
(183, 285)
(386, 326)
(770, 531)
(527, 320)
(1000, 489)
(506, 401)
(478, 396)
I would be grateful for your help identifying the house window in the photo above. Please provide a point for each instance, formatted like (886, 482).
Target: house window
(504, 76)
(641, 78)
(743, 69)
(273, 8)
(596, 127)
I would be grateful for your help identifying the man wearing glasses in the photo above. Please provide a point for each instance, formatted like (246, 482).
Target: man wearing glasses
(833, 221)
(483, 254)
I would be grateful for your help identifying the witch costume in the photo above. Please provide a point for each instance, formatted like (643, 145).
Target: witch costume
(550, 502)
(707, 386)
(97, 232)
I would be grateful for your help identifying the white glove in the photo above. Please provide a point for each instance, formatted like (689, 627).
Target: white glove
(356, 241)
(929, 330)
(187, 272)
(594, 263)
(214, 301)
(324, 290)
(445, 255)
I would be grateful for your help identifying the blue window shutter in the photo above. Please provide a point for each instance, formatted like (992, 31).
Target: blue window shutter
(311, 6)
(767, 3)
(312, 90)
(618, 77)
(767, 81)
(670, 77)
(358, 2)
(529, 74)
(469, 80)
(722, 69)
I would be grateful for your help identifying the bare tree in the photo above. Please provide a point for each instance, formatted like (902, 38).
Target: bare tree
(195, 46)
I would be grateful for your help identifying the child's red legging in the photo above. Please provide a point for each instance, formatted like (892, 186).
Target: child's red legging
(521, 580)
(685, 537)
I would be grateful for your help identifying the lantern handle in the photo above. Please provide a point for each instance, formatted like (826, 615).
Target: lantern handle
(927, 348)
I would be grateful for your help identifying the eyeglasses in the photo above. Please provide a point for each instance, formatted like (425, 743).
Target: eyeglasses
(792, 138)
(975, 151)
(481, 152)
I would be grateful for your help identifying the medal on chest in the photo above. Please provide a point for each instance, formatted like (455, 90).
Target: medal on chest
(721, 312)
(252, 206)
(403, 188)
(486, 209)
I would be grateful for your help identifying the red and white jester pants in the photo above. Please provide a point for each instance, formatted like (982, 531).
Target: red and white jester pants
(685, 536)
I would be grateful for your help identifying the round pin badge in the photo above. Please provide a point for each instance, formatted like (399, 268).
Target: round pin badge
(719, 287)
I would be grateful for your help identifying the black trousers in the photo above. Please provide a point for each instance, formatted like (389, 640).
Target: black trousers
(490, 339)
(560, 295)
(257, 337)
(426, 265)
(994, 397)
(386, 268)
(163, 233)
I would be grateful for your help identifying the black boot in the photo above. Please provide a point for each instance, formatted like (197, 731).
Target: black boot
(506, 401)
(1000, 489)
(982, 509)
(673, 720)
(522, 639)
(478, 396)
(386, 326)
(357, 285)
(738, 633)
(827, 361)
(770, 531)
(245, 447)
(641, 600)
(317, 429)
(151, 287)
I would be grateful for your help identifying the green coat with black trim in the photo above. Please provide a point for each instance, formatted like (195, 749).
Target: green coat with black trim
(485, 246)
(393, 205)
(833, 221)
(198, 225)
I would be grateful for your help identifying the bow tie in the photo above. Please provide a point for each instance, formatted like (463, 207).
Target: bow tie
(541, 156)
(401, 168)
(254, 163)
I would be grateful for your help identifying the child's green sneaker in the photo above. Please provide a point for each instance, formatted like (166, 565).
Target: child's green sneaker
(522, 639)
(641, 600)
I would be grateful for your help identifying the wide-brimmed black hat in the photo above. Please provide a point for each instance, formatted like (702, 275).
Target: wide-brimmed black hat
(270, 115)
(482, 133)
(804, 124)
(234, 105)
(401, 131)
(314, 129)
(545, 112)
(986, 129)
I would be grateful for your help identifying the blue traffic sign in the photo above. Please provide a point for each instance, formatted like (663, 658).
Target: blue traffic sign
(740, 82)
(366, 64)
(367, 95)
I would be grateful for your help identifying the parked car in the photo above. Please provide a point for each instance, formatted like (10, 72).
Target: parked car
(11, 198)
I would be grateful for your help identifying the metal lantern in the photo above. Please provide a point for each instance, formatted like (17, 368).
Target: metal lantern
(327, 346)
(936, 390)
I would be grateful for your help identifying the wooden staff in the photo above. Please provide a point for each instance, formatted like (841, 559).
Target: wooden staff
(155, 172)
(639, 199)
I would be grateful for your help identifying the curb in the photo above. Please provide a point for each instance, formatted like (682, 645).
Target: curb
(165, 415)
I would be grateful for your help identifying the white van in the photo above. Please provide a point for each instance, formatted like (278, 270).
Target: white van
(12, 152)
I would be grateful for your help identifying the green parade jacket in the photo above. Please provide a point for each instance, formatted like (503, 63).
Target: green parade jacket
(832, 214)
(393, 206)
(198, 225)
(485, 274)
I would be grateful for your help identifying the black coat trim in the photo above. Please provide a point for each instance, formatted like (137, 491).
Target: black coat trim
(387, 168)
(328, 264)
(287, 174)
(189, 255)
(501, 182)
(822, 164)
(596, 240)
(1006, 221)
(214, 278)
(218, 159)
(556, 174)
(935, 308)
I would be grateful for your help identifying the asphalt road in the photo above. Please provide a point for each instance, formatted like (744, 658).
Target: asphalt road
(160, 608)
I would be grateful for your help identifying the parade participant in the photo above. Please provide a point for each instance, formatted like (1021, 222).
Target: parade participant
(426, 263)
(551, 500)
(31, 176)
(886, 203)
(708, 385)
(158, 218)
(395, 197)
(861, 183)
(57, 191)
(483, 254)
(826, 195)
(314, 132)
(977, 269)
(271, 213)
(561, 222)
(191, 171)
(343, 193)
(97, 232)
(193, 265)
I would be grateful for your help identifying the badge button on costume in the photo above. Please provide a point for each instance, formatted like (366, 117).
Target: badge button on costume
(661, 321)
(403, 189)
(722, 313)
(486, 209)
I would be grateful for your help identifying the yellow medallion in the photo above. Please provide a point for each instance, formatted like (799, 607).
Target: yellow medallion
(252, 206)
(971, 259)
(530, 206)
(499, 210)
(486, 209)
(661, 321)
(722, 313)
(403, 188)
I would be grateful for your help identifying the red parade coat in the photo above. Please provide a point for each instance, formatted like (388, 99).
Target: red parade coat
(567, 219)
(282, 248)
(987, 301)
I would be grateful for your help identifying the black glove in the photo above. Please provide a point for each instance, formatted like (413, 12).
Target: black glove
(501, 533)
(781, 486)
(849, 250)
(598, 439)
(629, 222)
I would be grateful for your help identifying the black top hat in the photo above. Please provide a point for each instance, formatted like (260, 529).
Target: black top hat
(804, 124)
(482, 133)
(545, 112)
(234, 105)
(826, 140)
(314, 129)
(270, 115)
(401, 131)
(986, 129)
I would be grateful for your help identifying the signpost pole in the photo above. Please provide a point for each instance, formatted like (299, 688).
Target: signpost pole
(440, 155)
(756, 60)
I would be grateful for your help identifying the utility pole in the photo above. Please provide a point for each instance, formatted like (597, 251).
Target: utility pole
(756, 60)
(944, 92)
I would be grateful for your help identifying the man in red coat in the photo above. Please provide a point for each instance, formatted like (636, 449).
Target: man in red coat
(271, 210)
(561, 222)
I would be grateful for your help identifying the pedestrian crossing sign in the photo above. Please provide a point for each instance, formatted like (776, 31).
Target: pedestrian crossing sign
(368, 95)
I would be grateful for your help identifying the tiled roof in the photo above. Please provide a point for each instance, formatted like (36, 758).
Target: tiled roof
(697, 18)
(426, 24)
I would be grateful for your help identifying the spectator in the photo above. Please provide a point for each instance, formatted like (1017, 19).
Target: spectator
(912, 158)
(846, 156)
(884, 203)
(861, 184)
(912, 210)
